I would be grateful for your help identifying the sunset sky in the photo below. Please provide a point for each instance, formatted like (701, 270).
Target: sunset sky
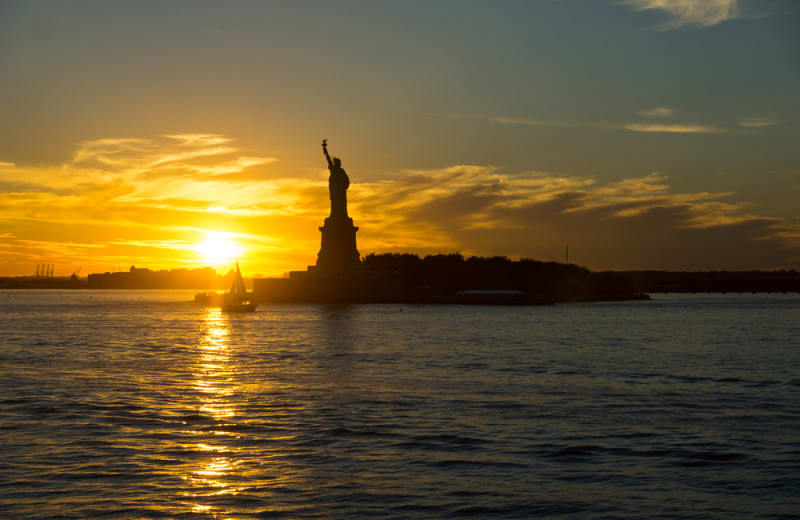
(646, 134)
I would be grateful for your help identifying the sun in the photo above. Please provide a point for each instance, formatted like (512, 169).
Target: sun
(218, 248)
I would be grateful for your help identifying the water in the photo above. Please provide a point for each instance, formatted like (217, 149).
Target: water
(139, 405)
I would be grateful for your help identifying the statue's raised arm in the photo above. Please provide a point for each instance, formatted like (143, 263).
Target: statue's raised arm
(325, 149)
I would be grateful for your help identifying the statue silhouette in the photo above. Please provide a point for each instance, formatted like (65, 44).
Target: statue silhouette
(338, 182)
(338, 248)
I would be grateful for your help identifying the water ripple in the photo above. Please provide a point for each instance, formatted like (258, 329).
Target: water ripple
(137, 405)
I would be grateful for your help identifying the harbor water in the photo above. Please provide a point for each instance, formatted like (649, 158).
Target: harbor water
(139, 404)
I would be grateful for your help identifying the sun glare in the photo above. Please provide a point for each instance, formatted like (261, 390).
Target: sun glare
(218, 248)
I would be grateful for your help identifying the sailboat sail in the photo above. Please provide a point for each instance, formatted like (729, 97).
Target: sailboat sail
(239, 284)
(236, 299)
(238, 290)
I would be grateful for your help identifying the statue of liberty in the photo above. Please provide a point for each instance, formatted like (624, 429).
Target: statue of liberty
(338, 182)
(337, 250)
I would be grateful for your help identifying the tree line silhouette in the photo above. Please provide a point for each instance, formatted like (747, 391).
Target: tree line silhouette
(447, 274)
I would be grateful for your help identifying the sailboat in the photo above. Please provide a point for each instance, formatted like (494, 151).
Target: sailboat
(236, 299)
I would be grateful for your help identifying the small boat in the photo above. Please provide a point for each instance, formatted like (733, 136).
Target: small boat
(210, 299)
(236, 299)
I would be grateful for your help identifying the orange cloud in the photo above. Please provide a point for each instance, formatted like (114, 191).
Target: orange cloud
(631, 223)
(149, 202)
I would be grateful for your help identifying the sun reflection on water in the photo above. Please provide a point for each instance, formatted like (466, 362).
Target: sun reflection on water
(226, 465)
(214, 383)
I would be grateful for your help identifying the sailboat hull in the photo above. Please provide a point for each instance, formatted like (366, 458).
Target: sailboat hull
(239, 307)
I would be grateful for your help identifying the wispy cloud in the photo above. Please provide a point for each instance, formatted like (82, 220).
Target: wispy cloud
(170, 155)
(631, 223)
(202, 140)
(677, 128)
(673, 129)
(132, 197)
(503, 120)
(690, 13)
(657, 112)
(756, 122)
(708, 13)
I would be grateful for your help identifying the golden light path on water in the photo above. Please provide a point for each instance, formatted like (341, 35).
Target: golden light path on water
(214, 380)
(236, 435)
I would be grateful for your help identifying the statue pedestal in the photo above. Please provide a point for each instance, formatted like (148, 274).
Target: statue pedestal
(338, 251)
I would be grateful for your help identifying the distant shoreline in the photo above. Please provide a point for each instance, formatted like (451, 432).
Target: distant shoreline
(642, 282)
(220, 291)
